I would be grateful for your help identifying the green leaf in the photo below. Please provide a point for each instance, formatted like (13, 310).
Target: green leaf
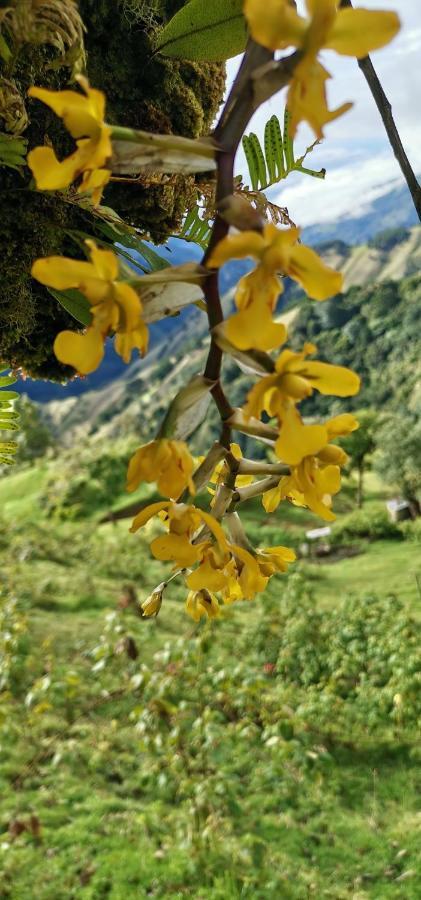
(274, 149)
(142, 151)
(12, 151)
(5, 380)
(188, 409)
(260, 160)
(154, 260)
(8, 426)
(8, 446)
(288, 142)
(195, 229)
(10, 414)
(205, 29)
(75, 304)
(9, 395)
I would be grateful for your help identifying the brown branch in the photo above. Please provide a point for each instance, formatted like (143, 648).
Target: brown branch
(385, 109)
(252, 85)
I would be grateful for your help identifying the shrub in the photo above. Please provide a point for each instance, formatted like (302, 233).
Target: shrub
(354, 669)
(373, 525)
(411, 530)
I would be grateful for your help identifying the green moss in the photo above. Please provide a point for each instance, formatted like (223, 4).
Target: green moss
(148, 91)
(143, 90)
(32, 225)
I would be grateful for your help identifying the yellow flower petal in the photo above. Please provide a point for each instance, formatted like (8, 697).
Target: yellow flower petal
(254, 328)
(176, 548)
(274, 23)
(215, 528)
(105, 262)
(333, 455)
(83, 117)
(202, 603)
(236, 246)
(147, 513)
(297, 440)
(318, 280)
(93, 183)
(79, 113)
(256, 398)
(356, 32)
(49, 173)
(327, 379)
(206, 576)
(61, 273)
(127, 341)
(271, 499)
(341, 425)
(169, 463)
(82, 351)
(306, 99)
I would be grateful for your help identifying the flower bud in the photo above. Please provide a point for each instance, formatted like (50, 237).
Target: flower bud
(151, 606)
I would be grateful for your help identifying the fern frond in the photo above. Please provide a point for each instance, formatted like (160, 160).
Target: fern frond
(12, 151)
(8, 418)
(54, 22)
(195, 229)
(271, 164)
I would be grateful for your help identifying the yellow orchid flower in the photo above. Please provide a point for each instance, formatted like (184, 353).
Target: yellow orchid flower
(211, 573)
(83, 116)
(276, 251)
(183, 523)
(250, 578)
(294, 379)
(253, 326)
(115, 307)
(202, 603)
(275, 559)
(351, 32)
(167, 462)
(307, 101)
(316, 477)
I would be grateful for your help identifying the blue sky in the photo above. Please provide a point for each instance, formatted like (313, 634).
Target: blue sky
(360, 164)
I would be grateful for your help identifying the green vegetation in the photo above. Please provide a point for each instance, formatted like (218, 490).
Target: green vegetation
(273, 753)
(389, 238)
(374, 330)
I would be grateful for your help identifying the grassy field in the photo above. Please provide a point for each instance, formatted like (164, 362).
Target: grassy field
(274, 753)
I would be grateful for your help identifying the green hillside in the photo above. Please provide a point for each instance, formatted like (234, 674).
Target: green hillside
(273, 753)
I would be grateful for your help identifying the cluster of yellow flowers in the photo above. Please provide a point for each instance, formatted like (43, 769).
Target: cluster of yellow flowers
(197, 545)
(196, 541)
(210, 549)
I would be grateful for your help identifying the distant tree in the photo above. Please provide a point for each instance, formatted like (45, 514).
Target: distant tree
(398, 460)
(360, 444)
(389, 238)
(34, 436)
